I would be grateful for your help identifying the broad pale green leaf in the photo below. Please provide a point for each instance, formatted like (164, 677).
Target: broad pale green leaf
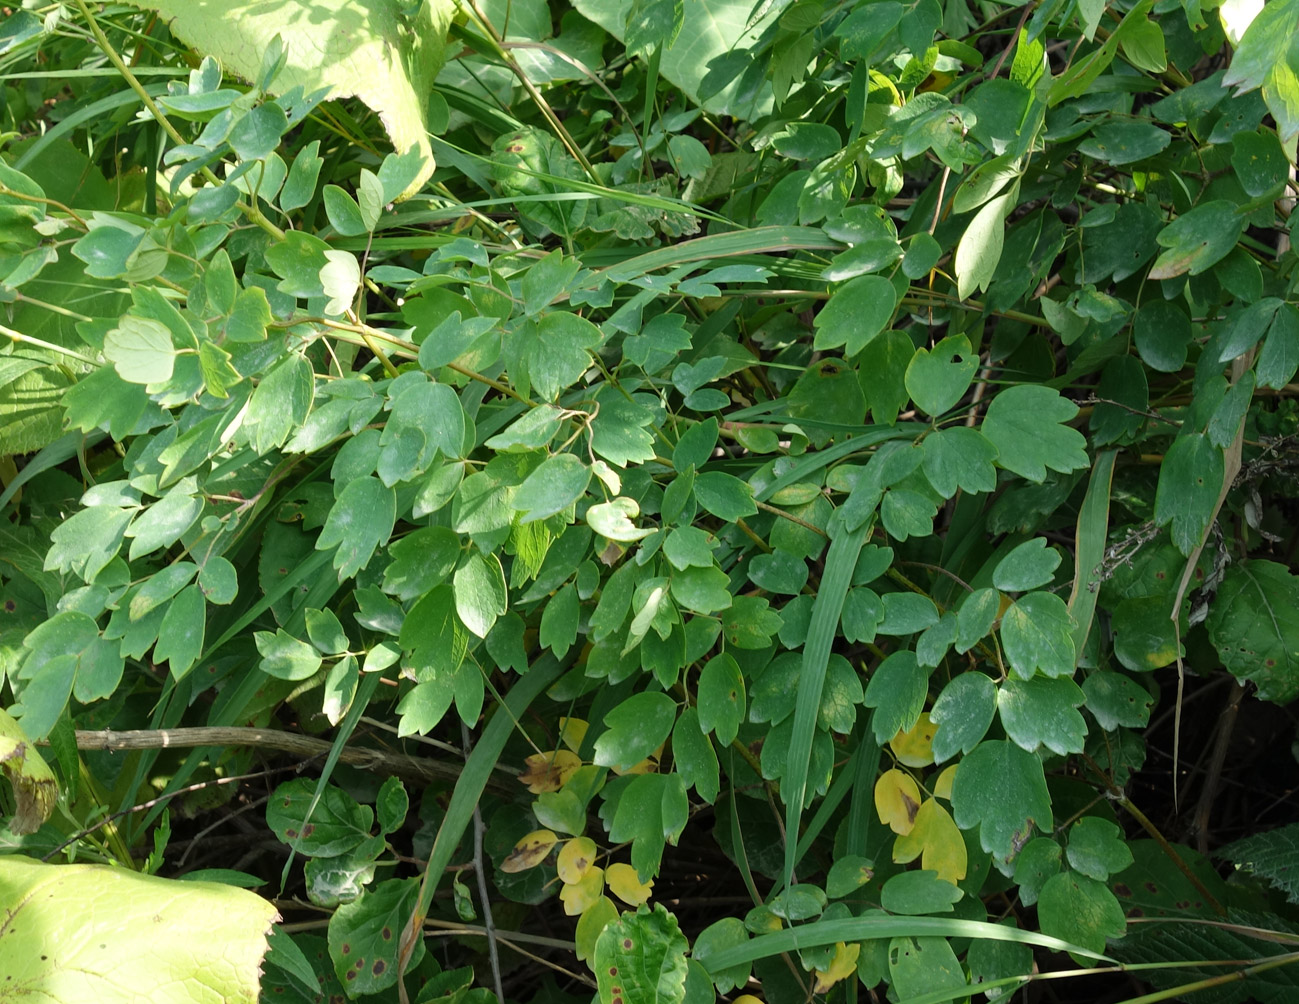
(923, 965)
(1254, 623)
(635, 729)
(1043, 712)
(694, 757)
(285, 657)
(1001, 789)
(936, 379)
(614, 520)
(1037, 634)
(980, 247)
(87, 541)
(1190, 479)
(378, 55)
(141, 350)
(1026, 425)
(139, 936)
(723, 934)
(705, 590)
(360, 520)
(644, 955)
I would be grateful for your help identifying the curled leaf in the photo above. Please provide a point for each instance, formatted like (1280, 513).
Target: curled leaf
(549, 771)
(35, 790)
(530, 851)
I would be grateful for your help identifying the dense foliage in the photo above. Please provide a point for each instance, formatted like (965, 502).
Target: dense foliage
(707, 497)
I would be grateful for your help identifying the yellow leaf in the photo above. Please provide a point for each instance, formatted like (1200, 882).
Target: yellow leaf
(943, 786)
(530, 851)
(843, 965)
(937, 841)
(897, 799)
(575, 858)
(549, 771)
(571, 732)
(945, 851)
(746, 999)
(626, 884)
(649, 765)
(578, 897)
(915, 747)
(595, 918)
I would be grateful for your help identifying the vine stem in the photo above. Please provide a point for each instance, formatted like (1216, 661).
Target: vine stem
(18, 336)
(250, 210)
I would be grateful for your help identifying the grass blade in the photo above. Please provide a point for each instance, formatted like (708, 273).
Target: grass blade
(1089, 554)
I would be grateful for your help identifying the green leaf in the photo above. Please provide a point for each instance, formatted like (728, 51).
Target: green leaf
(559, 621)
(918, 892)
(711, 29)
(554, 486)
(558, 351)
(1162, 332)
(1124, 142)
(1266, 58)
(897, 691)
(207, 936)
(279, 404)
(937, 379)
(1079, 909)
(329, 826)
(1114, 700)
(1037, 633)
(694, 757)
(1254, 624)
(420, 560)
(980, 247)
(703, 590)
(725, 496)
(363, 940)
(1029, 565)
(614, 520)
(385, 60)
(645, 955)
(87, 541)
(140, 349)
(1001, 789)
(180, 637)
(959, 458)
(1026, 425)
(1190, 479)
(360, 520)
(975, 618)
(1097, 848)
(720, 698)
(325, 631)
(1273, 855)
(858, 311)
(728, 932)
(166, 521)
(962, 713)
(635, 729)
(284, 656)
(480, 592)
(923, 965)
(1041, 712)
(1198, 239)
